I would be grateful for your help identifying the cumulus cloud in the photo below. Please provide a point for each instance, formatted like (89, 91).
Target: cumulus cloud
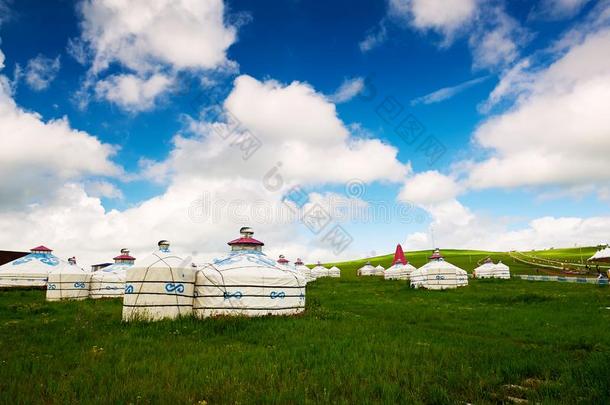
(558, 130)
(152, 41)
(443, 16)
(38, 156)
(212, 189)
(429, 188)
(41, 71)
(349, 89)
(131, 92)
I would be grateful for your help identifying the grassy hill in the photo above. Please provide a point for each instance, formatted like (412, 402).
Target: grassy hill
(470, 259)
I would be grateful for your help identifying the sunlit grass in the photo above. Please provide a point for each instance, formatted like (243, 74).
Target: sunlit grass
(360, 340)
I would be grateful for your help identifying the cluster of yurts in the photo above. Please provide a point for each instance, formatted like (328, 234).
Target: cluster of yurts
(164, 285)
(246, 282)
(437, 274)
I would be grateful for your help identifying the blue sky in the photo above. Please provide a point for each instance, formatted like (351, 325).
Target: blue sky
(400, 49)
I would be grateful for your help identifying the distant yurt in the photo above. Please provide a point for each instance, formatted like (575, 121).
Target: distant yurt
(400, 269)
(247, 282)
(367, 270)
(601, 256)
(319, 271)
(485, 270)
(300, 266)
(159, 286)
(379, 270)
(501, 271)
(334, 272)
(109, 282)
(31, 270)
(438, 274)
(68, 281)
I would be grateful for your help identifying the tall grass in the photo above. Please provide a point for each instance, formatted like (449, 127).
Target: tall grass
(359, 341)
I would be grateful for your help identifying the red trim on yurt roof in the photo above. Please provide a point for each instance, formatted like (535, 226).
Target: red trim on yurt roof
(124, 257)
(282, 260)
(245, 241)
(399, 256)
(41, 248)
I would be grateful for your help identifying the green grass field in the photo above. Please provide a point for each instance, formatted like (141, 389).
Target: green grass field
(359, 341)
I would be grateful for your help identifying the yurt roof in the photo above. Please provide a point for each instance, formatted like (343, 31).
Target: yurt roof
(41, 248)
(399, 256)
(601, 255)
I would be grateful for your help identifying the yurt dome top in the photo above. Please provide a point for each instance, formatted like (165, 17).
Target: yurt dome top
(282, 260)
(246, 241)
(298, 262)
(41, 254)
(163, 245)
(488, 260)
(124, 257)
(436, 255)
(41, 249)
(399, 256)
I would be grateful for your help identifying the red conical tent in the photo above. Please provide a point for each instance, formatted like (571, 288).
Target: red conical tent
(399, 256)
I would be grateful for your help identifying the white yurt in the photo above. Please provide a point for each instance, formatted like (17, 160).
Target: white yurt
(334, 272)
(501, 271)
(68, 281)
(159, 286)
(485, 270)
(602, 255)
(400, 269)
(300, 266)
(379, 270)
(247, 283)
(285, 263)
(31, 270)
(319, 271)
(366, 270)
(438, 274)
(109, 282)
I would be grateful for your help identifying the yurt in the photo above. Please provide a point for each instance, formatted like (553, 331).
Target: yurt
(247, 282)
(601, 256)
(366, 270)
(300, 266)
(159, 286)
(68, 281)
(319, 271)
(334, 272)
(401, 269)
(31, 270)
(501, 271)
(109, 282)
(379, 270)
(485, 270)
(438, 274)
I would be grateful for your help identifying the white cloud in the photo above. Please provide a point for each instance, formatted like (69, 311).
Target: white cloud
(131, 92)
(38, 156)
(211, 190)
(496, 42)
(443, 16)
(41, 71)
(446, 93)
(558, 131)
(152, 41)
(428, 188)
(558, 9)
(102, 189)
(138, 34)
(349, 89)
(374, 38)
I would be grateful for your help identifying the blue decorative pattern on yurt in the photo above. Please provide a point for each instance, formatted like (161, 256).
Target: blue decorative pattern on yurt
(45, 258)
